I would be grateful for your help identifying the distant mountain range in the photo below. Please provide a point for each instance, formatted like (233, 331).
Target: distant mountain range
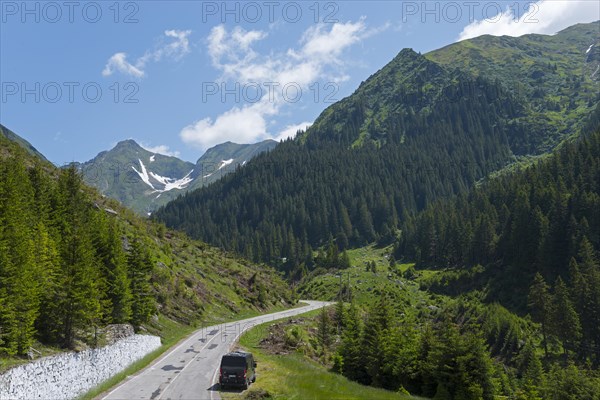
(144, 181)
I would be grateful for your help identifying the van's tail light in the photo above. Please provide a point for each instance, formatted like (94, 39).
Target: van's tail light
(220, 371)
(245, 373)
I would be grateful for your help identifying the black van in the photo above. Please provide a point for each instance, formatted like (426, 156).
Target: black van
(237, 369)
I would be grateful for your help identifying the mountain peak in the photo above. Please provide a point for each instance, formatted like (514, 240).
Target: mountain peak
(144, 180)
(408, 52)
(128, 143)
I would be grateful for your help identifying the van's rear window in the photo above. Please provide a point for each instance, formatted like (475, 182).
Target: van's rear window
(232, 361)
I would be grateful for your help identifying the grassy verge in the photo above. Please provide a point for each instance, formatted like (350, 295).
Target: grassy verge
(41, 350)
(294, 376)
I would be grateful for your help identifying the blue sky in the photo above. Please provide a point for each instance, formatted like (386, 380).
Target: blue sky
(182, 76)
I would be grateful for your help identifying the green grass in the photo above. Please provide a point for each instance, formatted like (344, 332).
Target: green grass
(8, 362)
(366, 285)
(296, 377)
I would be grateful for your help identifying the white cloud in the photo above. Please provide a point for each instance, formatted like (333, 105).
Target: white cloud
(543, 16)
(320, 43)
(317, 57)
(174, 50)
(232, 52)
(291, 130)
(160, 149)
(118, 62)
(246, 124)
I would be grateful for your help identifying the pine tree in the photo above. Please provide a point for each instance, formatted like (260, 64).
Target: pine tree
(541, 307)
(532, 372)
(590, 315)
(350, 348)
(376, 340)
(48, 261)
(20, 288)
(77, 301)
(340, 314)
(565, 322)
(140, 268)
(475, 362)
(344, 260)
(113, 260)
(324, 330)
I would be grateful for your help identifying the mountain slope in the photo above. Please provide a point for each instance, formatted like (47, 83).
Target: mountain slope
(224, 158)
(547, 78)
(135, 176)
(72, 261)
(558, 75)
(144, 181)
(415, 131)
(10, 135)
(532, 220)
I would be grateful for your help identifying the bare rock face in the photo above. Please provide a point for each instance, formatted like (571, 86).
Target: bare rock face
(116, 332)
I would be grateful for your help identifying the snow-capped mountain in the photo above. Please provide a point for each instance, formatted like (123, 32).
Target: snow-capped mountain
(144, 181)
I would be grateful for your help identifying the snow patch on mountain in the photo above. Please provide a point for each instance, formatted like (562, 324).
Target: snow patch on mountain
(152, 157)
(589, 49)
(225, 163)
(171, 183)
(143, 174)
(162, 183)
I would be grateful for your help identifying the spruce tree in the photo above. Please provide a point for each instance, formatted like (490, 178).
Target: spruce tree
(541, 307)
(140, 267)
(350, 348)
(78, 298)
(324, 330)
(565, 322)
(532, 372)
(20, 288)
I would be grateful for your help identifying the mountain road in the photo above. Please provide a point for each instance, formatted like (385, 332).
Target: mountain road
(190, 369)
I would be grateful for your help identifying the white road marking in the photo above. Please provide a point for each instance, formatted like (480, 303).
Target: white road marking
(185, 366)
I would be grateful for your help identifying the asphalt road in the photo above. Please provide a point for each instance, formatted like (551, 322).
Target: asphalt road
(190, 369)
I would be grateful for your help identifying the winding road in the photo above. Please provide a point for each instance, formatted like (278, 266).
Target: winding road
(190, 369)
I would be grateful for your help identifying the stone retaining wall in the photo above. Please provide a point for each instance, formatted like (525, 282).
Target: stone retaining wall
(68, 375)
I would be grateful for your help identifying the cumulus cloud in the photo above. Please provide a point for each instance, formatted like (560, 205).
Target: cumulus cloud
(320, 43)
(118, 63)
(245, 124)
(543, 16)
(316, 57)
(175, 49)
(160, 149)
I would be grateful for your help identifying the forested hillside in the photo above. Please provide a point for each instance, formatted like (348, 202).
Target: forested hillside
(527, 239)
(416, 131)
(513, 234)
(72, 262)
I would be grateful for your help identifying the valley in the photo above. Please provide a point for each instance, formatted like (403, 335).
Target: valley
(441, 222)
